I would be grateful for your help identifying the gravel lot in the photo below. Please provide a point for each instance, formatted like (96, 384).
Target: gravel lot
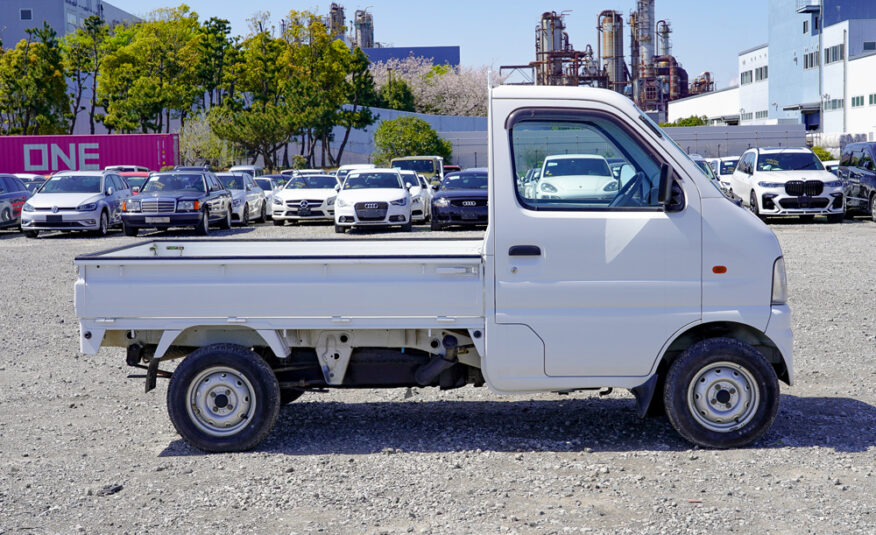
(82, 449)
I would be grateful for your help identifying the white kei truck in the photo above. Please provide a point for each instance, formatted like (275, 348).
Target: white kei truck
(666, 288)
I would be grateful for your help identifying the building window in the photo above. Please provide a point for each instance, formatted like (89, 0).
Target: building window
(746, 116)
(805, 26)
(810, 60)
(761, 114)
(834, 53)
(760, 73)
(872, 99)
(26, 14)
(745, 78)
(833, 104)
(857, 102)
(869, 46)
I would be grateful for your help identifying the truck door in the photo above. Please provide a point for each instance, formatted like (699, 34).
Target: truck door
(589, 260)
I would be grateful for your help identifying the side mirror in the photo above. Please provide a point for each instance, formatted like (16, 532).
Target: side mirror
(337, 187)
(109, 191)
(435, 187)
(408, 185)
(669, 192)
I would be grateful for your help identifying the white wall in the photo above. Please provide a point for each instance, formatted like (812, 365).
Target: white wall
(754, 97)
(714, 104)
(862, 82)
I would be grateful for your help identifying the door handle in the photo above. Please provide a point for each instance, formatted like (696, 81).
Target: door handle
(524, 250)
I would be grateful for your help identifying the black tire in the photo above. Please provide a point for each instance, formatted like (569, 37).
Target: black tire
(407, 227)
(203, 228)
(807, 218)
(130, 231)
(263, 215)
(753, 206)
(339, 229)
(103, 224)
(835, 218)
(873, 207)
(435, 225)
(244, 217)
(749, 377)
(287, 396)
(279, 222)
(7, 216)
(239, 377)
(226, 221)
(31, 233)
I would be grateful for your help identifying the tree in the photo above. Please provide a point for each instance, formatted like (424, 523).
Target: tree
(360, 94)
(693, 120)
(822, 153)
(408, 136)
(396, 95)
(199, 145)
(262, 129)
(214, 53)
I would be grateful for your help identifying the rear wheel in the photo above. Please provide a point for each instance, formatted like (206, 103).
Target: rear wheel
(435, 225)
(244, 217)
(129, 230)
(721, 393)
(223, 397)
(339, 229)
(203, 228)
(31, 233)
(7, 216)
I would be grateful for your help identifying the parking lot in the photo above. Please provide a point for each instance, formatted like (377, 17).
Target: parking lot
(83, 449)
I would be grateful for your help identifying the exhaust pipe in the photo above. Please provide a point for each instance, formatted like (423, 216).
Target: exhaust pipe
(430, 371)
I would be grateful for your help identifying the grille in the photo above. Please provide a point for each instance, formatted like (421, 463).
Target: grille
(371, 211)
(468, 203)
(797, 204)
(157, 207)
(810, 188)
(313, 203)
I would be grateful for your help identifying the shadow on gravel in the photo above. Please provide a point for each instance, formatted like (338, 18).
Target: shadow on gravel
(610, 425)
(10, 234)
(189, 233)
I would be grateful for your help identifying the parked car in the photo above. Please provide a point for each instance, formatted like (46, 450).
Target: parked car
(306, 198)
(724, 167)
(135, 179)
(248, 199)
(300, 172)
(344, 170)
(76, 200)
(13, 195)
(253, 170)
(831, 166)
(431, 167)
(127, 168)
(450, 168)
(205, 168)
(526, 185)
(31, 181)
(373, 198)
(421, 195)
(858, 173)
(461, 199)
(271, 186)
(788, 182)
(178, 199)
(577, 176)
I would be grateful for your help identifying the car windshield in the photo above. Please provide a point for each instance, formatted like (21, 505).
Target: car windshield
(728, 166)
(372, 180)
(465, 181)
(264, 184)
(136, 181)
(312, 182)
(575, 167)
(175, 182)
(32, 186)
(72, 184)
(231, 181)
(426, 165)
(789, 161)
(707, 169)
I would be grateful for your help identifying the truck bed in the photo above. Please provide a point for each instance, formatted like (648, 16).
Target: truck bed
(284, 284)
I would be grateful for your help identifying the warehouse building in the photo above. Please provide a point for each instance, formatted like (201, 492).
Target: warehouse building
(64, 16)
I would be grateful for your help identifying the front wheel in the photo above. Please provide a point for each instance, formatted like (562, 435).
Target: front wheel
(753, 206)
(223, 397)
(203, 228)
(721, 393)
(435, 225)
(873, 207)
(407, 227)
(339, 229)
(129, 230)
(835, 218)
(278, 222)
(226, 222)
(31, 233)
(244, 217)
(103, 225)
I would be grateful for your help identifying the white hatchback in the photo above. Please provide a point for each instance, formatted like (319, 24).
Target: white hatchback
(373, 198)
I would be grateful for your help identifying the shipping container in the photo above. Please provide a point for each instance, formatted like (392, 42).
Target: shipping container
(49, 154)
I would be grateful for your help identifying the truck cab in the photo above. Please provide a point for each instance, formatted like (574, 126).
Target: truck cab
(664, 287)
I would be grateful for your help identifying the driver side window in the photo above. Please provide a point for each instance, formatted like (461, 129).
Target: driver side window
(585, 163)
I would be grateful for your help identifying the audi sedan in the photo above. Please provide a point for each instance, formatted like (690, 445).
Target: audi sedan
(461, 199)
(373, 198)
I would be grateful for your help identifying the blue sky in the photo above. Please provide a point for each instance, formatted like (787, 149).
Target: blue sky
(707, 34)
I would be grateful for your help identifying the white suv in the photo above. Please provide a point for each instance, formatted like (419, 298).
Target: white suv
(787, 182)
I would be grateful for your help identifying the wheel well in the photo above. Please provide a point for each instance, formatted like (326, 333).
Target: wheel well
(726, 329)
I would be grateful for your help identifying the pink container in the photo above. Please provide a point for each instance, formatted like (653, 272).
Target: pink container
(49, 154)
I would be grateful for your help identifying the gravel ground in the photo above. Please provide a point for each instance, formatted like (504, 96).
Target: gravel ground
(82, 449)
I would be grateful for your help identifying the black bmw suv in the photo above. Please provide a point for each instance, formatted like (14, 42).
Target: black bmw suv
(858, 173)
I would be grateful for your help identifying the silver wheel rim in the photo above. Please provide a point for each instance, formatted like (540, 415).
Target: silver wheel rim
(220, 401)
(723, 397)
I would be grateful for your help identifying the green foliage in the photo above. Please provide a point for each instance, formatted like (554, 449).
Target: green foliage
(396, 94)
(822, 153)
(408, 136)
(693, 120)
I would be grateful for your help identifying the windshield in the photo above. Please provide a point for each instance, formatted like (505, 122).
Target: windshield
(72, 184)
(420, 166)
(728, 166)
(789, 161)
(264, 184)
(372, 180)
(707, 169)
(175, 182)
(231, 181)
(136, 181)
(465, 181)
(575, 167)
(312, 182)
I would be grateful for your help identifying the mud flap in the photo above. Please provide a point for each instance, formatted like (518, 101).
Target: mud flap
(644, 393)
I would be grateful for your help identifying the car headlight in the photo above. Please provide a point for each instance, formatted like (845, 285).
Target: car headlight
(27, 207)
(399, 202)
(235, 203)
(131, 206)
(834, 184)
(548, 188)
(611, 186)
(187, 206)
(330, 201)
(770, 184)
(342, 203)
(89, 207)
(278, 202)
(441, 202)
(780, 283)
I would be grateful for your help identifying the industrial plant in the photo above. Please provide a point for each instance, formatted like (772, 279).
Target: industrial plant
(652, 79)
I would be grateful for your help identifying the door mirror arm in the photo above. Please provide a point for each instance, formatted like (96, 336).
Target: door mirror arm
(670, 194)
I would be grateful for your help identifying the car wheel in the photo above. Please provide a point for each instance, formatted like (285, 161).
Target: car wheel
(244, 217)
(873, 207)
(129, 230)
(223, 397)
(807, 218)
(278, 222)
(752, 205)
(7, 216)
(31, 233)
(263, 215)
(226, 222)
(203, 227)
(103, 225)
(339, 229)
(835, 218)
(435, 225)
(721, 393)
(407, 227)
